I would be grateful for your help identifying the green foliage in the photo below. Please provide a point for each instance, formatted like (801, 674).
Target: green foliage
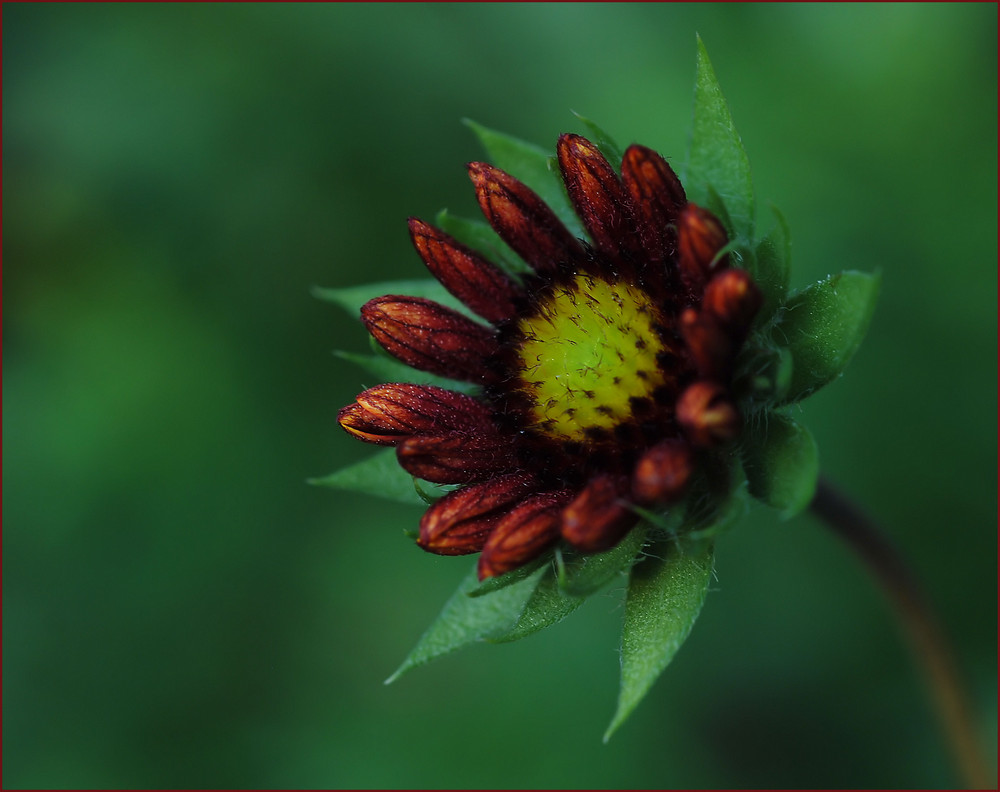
(466, 619)
(772, 267)
(478, 235)
(548, 605)
(823, 326)
(612, 151)
(351, 298)
(781, 461)
(717, 159)
(379, 475)
(665, 594)
(583, 575)
(508, 578)
(385, 368)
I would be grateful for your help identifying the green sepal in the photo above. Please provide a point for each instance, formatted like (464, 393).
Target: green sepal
(465, 620)
(387, 369)
(509, 578)
(562, 592)
(548, 605)
(430, 492)
(715, 497)
(351, 298)
(582, 575)
(606, 145)
(379, 475)
(665, 594)
(781, 462)
(690, 521)
(765, 374)
(717, 156)
(772, 267)
(532, 165)
(478, 235)
(717, 206)
(823, 326)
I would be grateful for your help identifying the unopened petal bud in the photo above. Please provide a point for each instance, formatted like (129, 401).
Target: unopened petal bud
(707, 414)
(661, 474)
(522, 534)
(456, 457)
(734, 299)
(700, 238)
(657, 196)
(597, 518)
(523, 220)
(599, 198)
(461, 521)
(430, 337)
(710, 344)
(471, 278)
(388, 414)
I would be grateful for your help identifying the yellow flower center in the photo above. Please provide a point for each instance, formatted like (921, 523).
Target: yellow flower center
(586, 354)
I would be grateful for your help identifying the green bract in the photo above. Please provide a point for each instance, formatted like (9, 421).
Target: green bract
(799, 343)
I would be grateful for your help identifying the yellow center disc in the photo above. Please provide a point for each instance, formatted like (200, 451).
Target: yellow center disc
(586, 353)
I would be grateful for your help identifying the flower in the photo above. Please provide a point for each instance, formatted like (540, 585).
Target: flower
(605, 373)
(644, 375)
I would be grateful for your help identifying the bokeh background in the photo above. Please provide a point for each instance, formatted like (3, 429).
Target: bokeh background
(180, 609)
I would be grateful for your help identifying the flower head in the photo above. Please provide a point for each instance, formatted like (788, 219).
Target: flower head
(605, 374)
(640, 360)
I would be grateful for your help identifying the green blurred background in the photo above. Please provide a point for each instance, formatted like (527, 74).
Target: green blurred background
(181, 609)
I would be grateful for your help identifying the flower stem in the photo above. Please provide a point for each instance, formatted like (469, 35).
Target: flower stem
(927, 638)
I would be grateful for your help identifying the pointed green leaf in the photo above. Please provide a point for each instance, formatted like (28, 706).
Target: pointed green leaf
(560, 594)
(717, 156)
(509, 578)
(781, 461)
(532, 165)
(582, 575)
(717, 206)
(606, 145)
(351, 298)
(478, 235)
(379, 475)
(466, 619)
(665, 595)
(548, 605)
(387, 369)
(772, 265)
(823, 326)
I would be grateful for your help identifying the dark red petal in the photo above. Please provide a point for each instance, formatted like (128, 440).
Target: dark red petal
(388, 414)
(466, 274)
(662, 473)
(598, 197)
(430, 337)
(597, 518)
(707, 414)
(522, 534)
(657, 198)
(734, 299)
(457, 457)
(523, 220)
(712, 346)
(700, 237)
(460, 522)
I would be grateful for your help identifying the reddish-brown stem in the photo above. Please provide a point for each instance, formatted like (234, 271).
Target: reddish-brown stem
(927, 639)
